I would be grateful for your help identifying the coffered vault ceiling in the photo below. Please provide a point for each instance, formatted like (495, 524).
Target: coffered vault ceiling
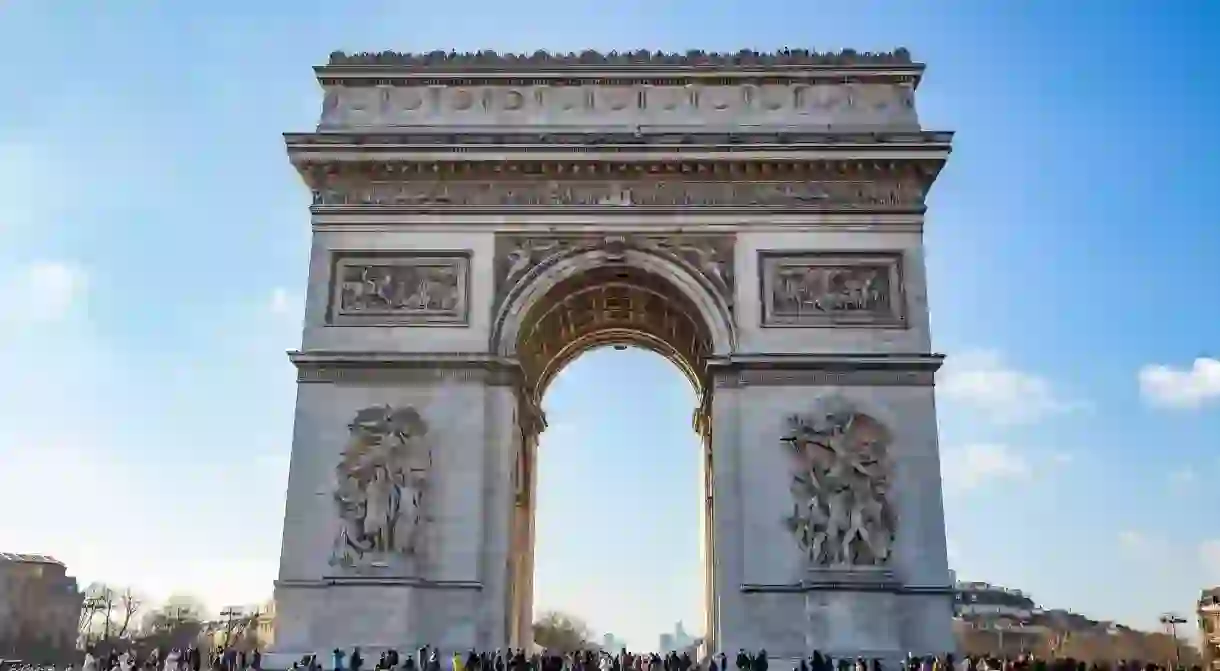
(612, 305)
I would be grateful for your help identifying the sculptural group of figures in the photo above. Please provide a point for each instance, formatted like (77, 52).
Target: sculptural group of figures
(386, 288)
(821, 289)
(842, 515)
(379, 490)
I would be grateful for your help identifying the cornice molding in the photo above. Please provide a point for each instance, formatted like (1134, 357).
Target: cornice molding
(380, 581)
(628, 58)
(664, 138)
(336, 367)
(376, 218)
(813, 370)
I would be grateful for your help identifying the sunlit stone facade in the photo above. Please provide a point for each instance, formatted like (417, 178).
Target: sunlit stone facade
(480, 220)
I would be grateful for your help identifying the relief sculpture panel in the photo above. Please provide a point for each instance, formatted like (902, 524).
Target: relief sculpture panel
(832, 289)
(387, 289)
(842, 515)
(380, 487)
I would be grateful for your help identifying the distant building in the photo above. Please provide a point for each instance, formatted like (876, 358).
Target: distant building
(996, 618)
(676, 641)
(989, 619)
(610, 643)
(981, 600)
(253, 629)
(1209, 627)
(40, 607)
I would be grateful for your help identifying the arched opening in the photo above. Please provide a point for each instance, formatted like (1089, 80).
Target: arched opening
(618, 535)
(590, 302)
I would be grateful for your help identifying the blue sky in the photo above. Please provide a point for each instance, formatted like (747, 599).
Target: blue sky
(153, 248)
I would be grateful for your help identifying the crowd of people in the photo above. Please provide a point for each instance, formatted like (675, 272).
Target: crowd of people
(189, 659)
(431, 659)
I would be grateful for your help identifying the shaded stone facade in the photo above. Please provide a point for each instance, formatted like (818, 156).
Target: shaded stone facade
(40, 607)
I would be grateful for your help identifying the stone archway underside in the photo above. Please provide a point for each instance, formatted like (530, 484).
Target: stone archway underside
(611, 305)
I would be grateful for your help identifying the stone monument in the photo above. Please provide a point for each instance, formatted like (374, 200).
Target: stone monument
(480, 220)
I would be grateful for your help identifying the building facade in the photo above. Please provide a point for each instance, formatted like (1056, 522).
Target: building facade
(1209, 627)
(40, 607)
(480, 220)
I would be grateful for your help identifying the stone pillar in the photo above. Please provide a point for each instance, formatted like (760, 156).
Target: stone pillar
(451, 593)
(782, 603)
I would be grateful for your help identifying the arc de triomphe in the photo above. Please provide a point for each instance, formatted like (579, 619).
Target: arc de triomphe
(480, 220)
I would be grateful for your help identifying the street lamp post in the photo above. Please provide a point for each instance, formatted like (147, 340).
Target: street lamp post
(229, 613)
(1172, 620)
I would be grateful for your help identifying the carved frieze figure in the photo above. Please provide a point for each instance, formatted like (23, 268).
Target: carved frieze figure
(380, 486)
(842, 515)
(409, 288)
(830, 289)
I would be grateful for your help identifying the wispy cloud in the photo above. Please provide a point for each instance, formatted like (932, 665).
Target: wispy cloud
(1133, 540)
(986, 383)
(42, 291)
(1169, 387)
(970, 466)
(283, 302)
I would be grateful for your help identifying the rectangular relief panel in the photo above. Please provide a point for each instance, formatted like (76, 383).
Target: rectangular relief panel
(829, 289)
(390, 288)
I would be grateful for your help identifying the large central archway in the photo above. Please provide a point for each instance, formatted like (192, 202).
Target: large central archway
(612, 292)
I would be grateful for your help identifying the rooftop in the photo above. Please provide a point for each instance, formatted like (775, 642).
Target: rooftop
(745, 58)
(17, 558)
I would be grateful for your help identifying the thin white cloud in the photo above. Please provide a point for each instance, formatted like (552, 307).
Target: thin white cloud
(1183, 477)
(1168, 387)
(972, 466)
(984, 382)
(1062, 458)
(282, 302)
(1133, 540)
(43, 291)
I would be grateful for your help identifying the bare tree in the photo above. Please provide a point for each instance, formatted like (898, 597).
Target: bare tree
(100, 599)
(129, 604)
(561, 632)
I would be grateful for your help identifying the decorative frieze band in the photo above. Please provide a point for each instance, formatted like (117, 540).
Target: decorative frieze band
(858, 194)
(399, 289)
(854, 289)
(467, 103)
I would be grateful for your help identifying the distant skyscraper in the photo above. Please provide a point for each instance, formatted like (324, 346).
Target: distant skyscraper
(666, 644)
(610, 643)
(681, 638)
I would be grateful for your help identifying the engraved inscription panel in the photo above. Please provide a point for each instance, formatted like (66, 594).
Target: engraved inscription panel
(379, 289)
(832, 289)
